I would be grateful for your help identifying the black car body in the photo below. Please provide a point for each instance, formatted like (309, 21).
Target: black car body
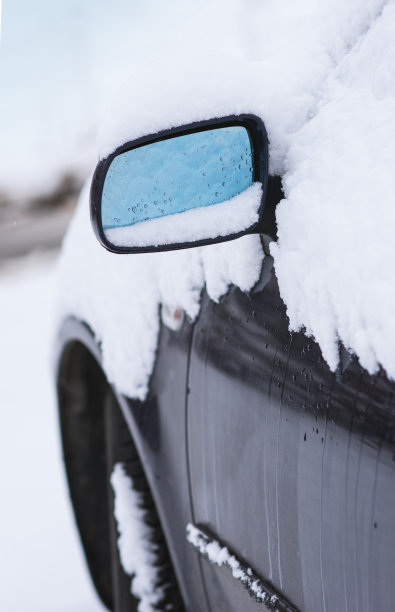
(247, 440)
(248, 433)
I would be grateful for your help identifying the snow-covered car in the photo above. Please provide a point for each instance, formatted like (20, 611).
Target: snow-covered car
(224, 365)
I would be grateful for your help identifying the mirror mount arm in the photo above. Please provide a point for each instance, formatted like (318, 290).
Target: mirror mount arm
(274, 194)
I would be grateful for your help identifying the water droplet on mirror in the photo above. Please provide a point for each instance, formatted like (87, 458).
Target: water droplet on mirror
(134, 208)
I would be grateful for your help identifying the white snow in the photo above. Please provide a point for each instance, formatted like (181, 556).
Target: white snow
(41, 561)
(229, 217)
(119, 295)
(336, 248)
(135, 551)
(321, 76)
(221, 556)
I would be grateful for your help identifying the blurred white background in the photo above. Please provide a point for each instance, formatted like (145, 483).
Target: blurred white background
(59, 64)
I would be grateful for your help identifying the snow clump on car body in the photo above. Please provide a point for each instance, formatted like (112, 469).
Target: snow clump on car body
(324, 87)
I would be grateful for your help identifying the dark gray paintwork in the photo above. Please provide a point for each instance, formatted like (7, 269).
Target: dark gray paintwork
(248, 433)
(291, 465)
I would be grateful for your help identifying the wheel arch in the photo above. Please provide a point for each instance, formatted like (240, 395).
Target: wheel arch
(80, 387)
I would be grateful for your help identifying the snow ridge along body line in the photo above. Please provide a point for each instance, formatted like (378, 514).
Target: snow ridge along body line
(220, 555)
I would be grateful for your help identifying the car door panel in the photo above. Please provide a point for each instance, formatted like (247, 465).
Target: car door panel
(291, 465)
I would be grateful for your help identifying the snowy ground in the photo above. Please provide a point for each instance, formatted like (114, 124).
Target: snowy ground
(41, 564)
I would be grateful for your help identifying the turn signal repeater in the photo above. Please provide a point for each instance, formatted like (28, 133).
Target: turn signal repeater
(172, 316)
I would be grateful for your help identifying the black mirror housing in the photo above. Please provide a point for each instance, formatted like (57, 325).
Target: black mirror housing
(160, 228)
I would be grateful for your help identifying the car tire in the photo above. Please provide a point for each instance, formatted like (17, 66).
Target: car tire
(120, 449)
(95, 438)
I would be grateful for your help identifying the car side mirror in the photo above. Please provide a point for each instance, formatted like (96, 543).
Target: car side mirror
(198, 184)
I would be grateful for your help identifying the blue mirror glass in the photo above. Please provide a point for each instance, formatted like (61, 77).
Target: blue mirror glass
(176, 175)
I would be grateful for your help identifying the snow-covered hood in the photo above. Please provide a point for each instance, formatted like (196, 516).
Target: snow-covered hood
(322, 80)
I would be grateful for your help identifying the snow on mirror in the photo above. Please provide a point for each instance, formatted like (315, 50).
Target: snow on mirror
(183, 189)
